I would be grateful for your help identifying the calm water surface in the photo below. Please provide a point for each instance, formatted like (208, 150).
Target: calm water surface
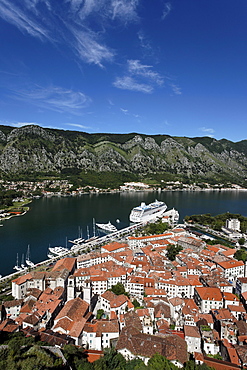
(52, 221)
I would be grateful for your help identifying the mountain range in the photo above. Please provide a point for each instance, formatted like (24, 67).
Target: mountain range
(33, 149)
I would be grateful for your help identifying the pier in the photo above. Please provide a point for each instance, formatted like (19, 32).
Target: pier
(91, 243)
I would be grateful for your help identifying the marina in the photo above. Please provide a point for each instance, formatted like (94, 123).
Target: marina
(91, 244)
(51, 221)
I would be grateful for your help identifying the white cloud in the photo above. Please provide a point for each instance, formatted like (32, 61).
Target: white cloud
(67, 22)
(166, 10)
(23, 19)
(166, 123)
(124, 9)
(207, 130)
(128, 83)
(176, 89)
(88, 49)
(77, 125)
(136, 68)
(125, 111)
(140, 77)
(110, 102)
(54, 98)
(145, 44)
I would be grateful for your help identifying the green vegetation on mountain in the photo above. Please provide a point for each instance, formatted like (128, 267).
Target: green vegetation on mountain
(111, 159)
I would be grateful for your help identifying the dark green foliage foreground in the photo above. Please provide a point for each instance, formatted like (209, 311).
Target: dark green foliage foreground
(20, 353)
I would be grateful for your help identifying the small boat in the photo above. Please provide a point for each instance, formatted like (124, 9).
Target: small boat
(107, 228)
(117, 221)
(17, 267)
(28, 262)
(49, 255)
(58, 251)
(77, 241)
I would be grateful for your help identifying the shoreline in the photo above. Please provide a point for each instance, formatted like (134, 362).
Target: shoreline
(115, 191)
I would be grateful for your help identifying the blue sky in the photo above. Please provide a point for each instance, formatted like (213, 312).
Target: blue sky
(175, 67)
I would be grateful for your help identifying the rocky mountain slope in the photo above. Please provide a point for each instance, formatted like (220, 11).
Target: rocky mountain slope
(34, 149)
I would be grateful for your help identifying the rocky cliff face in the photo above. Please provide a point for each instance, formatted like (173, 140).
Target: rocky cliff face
(32, 148)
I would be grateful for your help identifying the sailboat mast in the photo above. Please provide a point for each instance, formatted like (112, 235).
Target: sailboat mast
(93, 227)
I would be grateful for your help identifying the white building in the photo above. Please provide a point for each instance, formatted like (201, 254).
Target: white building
(208, 298)
(193, 338)
(233, 224)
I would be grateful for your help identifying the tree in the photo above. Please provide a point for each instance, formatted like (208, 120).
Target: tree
(172, 251)
(159, 362)
(241, 241)
(112, 360)
(74, 355)
(99, 314)
(136, 304)
(119, 289)
(240, 255)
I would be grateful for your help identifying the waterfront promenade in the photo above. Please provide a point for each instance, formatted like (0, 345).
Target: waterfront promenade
(91, 243)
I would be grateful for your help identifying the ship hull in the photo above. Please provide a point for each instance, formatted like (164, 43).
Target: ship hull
(145, 213)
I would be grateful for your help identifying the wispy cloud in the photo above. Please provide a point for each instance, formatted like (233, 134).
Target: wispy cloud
(77, 125)
(166, 123)
(139, 77)
(110, 102)
(125, 111)
(209, 131)
(128, 83)
(124, 9)
(88, 48)
(54, 98)
(138, 69)
(23, 18)
(74, 23)
(166, 10)
(144, 42)
(176, 89)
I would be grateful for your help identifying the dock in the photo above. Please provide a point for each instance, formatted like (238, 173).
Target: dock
(91, 243)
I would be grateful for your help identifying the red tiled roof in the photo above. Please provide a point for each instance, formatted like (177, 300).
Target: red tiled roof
(209, 293)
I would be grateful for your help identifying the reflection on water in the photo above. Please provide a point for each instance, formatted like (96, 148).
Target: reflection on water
(51, 220)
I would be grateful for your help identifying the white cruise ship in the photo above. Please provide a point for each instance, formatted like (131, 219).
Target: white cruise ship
(147, 212)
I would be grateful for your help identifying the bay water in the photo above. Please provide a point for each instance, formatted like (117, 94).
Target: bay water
(52, 221)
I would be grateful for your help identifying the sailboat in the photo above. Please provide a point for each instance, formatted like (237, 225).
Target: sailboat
(17, 267)
(22, 262)
(28, 262)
